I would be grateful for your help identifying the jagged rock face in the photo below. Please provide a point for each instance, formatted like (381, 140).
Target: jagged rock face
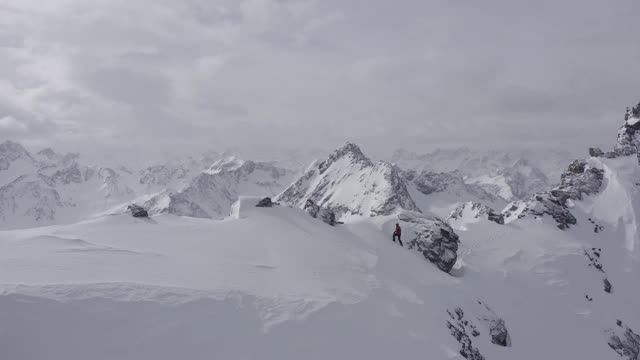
(463, 331)
(625, 342)
(475, 210)
(580, 179)
(326, 215)
(433, 238)
(351, 185)
(211, 193)
(628, 137)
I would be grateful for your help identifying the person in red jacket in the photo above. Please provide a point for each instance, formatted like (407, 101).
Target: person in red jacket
(397, 233)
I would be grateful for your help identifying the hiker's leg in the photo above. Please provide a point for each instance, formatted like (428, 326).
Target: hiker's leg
(399, 240)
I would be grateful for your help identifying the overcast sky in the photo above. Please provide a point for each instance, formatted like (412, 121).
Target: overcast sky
(187, 75)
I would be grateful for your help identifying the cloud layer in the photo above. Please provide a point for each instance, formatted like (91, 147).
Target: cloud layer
(193, 74)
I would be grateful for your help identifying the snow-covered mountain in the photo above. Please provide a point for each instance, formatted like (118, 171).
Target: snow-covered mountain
(212, 192)
(441, 193)
(509, 174)
(350, 184)
(554, 276)
(48, 187)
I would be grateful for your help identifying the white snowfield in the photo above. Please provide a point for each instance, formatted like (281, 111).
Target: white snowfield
(275, 283)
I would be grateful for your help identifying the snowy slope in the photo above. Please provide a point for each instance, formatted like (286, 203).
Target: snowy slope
(557, 280)
(274, 283)
(350, 184)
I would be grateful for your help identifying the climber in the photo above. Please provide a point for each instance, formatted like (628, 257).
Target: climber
(397, 233)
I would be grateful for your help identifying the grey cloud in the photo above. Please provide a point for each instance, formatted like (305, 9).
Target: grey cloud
(229, 73)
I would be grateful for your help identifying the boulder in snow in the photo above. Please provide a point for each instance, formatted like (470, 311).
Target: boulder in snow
(138, 211)
(315, 210)
(433, 238)
(596, 152)
(265, 202)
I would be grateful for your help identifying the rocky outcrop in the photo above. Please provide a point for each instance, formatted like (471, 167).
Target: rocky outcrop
(350, 184)
(624, 341)
(580, 179)
(628, 140)
(265, 202)
(463, 330)
(432, 238)
(138, 211)
(326, 215)
(495, 324)
(475, 210)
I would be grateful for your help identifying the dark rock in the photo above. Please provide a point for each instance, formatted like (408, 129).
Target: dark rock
(499, 333)
(478, 210)
(138, 211)
(459, 330)
(266, 202)
(577, 166)
(579, 180)
(496, 325)
(326, 215)
(626, 344)
(607, 285)
(434, 239)
(596, 152)
(496, 218)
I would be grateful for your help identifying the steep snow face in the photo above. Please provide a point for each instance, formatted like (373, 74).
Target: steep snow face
(350, 184)
(441, 193)
(511, 175)
(211, 193)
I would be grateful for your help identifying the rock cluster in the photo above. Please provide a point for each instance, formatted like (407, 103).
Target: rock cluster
(477, 210)
(138, 211)
(433, 238)
(626, 343)
(265, 202)
(628, 137)
(316, 211)
(580, 179)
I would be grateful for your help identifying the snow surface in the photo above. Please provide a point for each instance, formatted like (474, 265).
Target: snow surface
(274, 283)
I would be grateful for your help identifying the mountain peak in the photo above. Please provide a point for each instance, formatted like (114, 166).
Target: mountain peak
(348, 151)
(349, 183)
(12, 150)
